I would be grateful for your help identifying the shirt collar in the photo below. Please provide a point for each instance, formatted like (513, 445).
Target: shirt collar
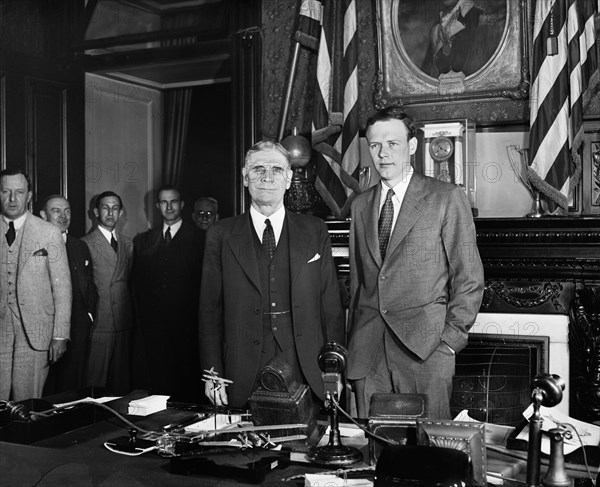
(18, 222)
(107, 234)
(276, 219)
(174, 228)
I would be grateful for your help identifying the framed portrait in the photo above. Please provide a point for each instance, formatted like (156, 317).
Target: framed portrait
(438, 51)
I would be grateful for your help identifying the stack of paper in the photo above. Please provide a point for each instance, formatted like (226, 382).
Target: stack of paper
(148, 405)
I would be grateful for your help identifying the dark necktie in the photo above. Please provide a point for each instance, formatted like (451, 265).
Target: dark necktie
(168, 236)
(268, 240)
(11, 234)
(113, 242)
(385, 223)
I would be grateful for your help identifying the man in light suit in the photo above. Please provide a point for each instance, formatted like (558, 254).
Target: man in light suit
(416, 276)
(166, 272)
(269, 287)
(112, 255)
(35, 292)
(69, 372)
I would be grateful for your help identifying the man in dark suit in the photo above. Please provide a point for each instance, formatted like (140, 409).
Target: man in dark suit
(416, 276)
(35, 292)
(167, 272)
(69, 372)
(112, 256)
(269, 287)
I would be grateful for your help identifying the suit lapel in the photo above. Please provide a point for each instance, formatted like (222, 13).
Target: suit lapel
(24, 255)
(299, 242)
(370, 217)
(410, 211)
(241, 243)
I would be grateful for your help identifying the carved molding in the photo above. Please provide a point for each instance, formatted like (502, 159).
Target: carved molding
(541, 236)
(528, 296)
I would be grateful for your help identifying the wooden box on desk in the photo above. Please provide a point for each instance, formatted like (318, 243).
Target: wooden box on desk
(394, 416)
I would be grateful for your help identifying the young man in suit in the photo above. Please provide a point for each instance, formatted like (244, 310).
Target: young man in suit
(69, 372)
(269, 286)
(167, 271)
(112, 256)
(35, 292)
(416, 276)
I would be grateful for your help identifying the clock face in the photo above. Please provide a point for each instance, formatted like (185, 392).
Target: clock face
(441, 148)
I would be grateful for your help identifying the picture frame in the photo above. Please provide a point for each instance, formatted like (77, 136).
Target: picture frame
(416, 68)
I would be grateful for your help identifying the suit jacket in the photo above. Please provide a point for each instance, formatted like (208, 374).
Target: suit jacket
(231, 301)
(111, 276)
(167, 291)
(429, 287)
(43, 283)
(69, 371)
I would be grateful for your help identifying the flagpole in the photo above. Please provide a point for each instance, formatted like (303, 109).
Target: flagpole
(288, 93)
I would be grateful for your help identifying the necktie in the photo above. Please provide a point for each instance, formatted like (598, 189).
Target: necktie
(268, 240)
(11, 234)
(168, 237)
(385, 223)
(113, 242)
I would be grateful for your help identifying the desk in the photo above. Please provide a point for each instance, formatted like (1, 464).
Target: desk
(79, 459)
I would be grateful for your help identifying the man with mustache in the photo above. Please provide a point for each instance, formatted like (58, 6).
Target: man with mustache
(69, 372)
(112, 256)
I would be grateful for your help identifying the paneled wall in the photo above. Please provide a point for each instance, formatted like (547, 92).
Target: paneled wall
(123, 147)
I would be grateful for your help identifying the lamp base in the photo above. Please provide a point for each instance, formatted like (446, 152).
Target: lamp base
(337, 455)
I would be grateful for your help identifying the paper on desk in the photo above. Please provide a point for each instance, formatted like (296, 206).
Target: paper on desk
(148, 405)
(331, 480)
(346, 431)
(100, 400)
(495, 434)
(589, 433)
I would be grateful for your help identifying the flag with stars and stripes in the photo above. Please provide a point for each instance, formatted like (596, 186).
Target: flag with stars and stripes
(335, 130)
(564, 75)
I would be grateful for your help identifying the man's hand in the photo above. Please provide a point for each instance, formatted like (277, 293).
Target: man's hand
(216, 393)
(57, 350)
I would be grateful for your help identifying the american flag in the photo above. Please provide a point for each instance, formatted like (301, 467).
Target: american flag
(335, 130)
(564, 74)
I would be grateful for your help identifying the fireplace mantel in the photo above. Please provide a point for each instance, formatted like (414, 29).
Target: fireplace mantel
(556, 248)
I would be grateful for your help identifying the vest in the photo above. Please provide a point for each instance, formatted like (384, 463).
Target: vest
(276, 287)
(8, 273)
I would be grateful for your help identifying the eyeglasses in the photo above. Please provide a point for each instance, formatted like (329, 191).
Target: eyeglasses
(205, 213)
(259, 172)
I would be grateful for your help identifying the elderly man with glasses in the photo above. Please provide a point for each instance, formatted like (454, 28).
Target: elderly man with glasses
(269, 287)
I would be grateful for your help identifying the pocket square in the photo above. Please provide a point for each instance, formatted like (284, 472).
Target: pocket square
(87, 263)
(41, 253)
(316, 257)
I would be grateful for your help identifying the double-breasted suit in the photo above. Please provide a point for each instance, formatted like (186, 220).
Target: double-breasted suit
(70, 371)
(110, 348)
(39, 297)
(428, 289)
(167, 291)
(231, 305)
